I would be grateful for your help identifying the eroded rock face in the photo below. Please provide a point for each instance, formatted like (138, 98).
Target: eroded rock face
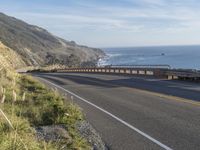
(39, 47)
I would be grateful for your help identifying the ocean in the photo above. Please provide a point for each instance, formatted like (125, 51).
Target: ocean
(184, 57)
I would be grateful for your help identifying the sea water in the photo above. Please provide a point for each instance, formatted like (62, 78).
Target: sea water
(185, 57)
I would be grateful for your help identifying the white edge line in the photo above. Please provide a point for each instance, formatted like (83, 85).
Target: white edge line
(113, 116)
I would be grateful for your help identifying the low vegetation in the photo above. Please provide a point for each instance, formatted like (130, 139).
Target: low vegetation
(25, 105)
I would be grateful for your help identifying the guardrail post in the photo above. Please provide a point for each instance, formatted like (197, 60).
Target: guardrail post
(160, 73)
(145, 72)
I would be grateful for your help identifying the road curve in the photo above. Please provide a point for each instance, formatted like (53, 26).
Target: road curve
(133, 112)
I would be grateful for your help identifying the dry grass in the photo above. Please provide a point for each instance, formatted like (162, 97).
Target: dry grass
(25, 104)
(38, 107)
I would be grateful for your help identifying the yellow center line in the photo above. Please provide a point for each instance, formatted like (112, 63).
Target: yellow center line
(169, 97)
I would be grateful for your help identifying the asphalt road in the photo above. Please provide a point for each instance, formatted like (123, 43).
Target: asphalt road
(133, 113)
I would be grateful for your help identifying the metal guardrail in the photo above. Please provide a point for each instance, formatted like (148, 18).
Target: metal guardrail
(183, 73)
(138, 70)
(117, 70)
(161, 66)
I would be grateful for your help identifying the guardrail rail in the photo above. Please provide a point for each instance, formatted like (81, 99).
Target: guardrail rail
(161, 71)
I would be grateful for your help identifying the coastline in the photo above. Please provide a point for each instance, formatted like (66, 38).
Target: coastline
(178, 57)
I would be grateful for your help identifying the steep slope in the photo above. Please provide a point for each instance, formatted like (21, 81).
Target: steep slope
(9, 59)
(39, 47)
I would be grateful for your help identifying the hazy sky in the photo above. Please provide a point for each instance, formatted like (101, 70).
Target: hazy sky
(105, 23)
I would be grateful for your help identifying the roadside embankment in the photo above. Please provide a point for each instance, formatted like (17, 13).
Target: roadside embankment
(26, 105)
(34, 117)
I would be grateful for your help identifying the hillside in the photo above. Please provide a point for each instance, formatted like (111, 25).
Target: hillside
(33, 116)
(9, 58)
(38, 47)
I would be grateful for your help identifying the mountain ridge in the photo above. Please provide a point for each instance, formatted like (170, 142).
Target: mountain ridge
(38, 47)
